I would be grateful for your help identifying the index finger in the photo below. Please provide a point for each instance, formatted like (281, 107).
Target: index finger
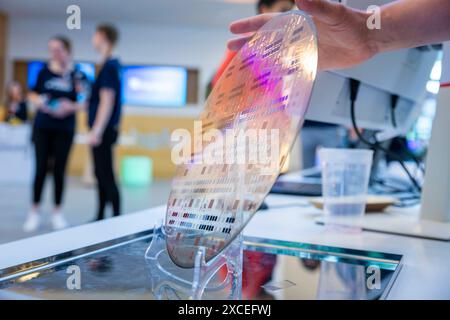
(236, 44)
(250, 24)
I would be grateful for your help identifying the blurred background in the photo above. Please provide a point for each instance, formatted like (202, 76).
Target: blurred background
(176, 45)
(170, 51)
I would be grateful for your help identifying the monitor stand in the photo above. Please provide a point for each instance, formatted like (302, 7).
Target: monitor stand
(434, 222)
(434, 219)
(436, 192)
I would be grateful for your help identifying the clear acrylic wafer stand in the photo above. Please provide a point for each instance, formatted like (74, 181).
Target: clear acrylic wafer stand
(219, 278)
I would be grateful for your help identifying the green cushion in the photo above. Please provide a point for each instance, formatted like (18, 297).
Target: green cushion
(136, 171)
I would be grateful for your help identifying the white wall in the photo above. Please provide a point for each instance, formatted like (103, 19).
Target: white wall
(139, 44)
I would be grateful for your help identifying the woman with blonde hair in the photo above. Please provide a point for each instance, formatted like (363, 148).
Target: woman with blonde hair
(55, 96)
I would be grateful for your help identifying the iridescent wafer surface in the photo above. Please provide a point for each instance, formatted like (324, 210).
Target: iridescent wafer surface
(267, 88)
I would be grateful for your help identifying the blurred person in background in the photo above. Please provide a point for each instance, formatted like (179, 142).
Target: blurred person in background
(55, 98)
(15, 105)
(104, 118)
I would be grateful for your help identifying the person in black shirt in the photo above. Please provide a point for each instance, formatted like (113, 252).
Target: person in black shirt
(55, 97)
(16, 106)
(104, 118)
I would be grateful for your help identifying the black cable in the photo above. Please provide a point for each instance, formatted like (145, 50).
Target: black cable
(354, 89)
(409, 154)
(394, 100)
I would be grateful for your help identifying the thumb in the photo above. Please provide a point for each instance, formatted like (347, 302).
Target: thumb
(324, 10)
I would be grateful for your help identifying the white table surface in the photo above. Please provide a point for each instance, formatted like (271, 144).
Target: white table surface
(426, 264)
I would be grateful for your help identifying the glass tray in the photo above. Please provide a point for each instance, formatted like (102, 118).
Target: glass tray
(272, 269)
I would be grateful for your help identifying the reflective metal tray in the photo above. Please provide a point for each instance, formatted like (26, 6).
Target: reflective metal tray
(272, 269)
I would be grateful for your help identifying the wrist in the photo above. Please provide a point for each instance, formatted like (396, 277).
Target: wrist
(381, 40)
(372, 36)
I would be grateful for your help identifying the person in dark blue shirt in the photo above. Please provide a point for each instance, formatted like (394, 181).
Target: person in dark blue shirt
(55, 97)
(16, 106)
(104, 118)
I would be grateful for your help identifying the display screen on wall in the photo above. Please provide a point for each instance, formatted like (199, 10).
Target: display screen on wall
(154, 86)
(33, 70)
(87, 68)
(35, 66)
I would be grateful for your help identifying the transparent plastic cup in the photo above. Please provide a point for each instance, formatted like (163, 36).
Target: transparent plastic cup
(345, 180)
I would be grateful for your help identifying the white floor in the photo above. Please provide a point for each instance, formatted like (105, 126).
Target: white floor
(80, 204)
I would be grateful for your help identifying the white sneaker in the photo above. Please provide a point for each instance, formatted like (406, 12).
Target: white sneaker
(58, 221)
(32, 222)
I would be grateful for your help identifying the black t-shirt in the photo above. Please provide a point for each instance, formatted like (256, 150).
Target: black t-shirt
(21, 112)
(55, 87)
(109, 77)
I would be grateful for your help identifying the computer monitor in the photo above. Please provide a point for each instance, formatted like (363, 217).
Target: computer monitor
(154, 86)
(403, 73)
